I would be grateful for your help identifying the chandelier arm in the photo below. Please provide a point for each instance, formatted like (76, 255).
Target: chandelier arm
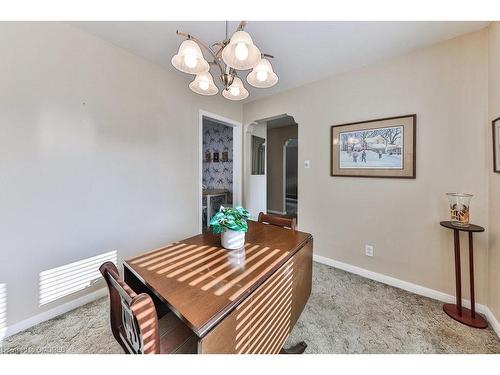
(214, 55)
(218, 44)
(218, 54)
(242, 26)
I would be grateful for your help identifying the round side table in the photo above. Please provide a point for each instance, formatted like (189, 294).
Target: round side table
(456, 311)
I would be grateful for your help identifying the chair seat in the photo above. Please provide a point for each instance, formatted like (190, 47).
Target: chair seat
(175, 336)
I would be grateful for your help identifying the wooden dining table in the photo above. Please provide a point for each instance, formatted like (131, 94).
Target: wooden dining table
(235, 301)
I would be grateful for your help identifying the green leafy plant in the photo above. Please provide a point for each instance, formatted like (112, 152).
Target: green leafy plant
(230, 218)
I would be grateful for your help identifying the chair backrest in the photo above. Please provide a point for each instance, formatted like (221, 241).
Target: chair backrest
(278, 221)
(133, 318)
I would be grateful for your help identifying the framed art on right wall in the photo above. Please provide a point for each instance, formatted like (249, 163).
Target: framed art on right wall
(496, 145)
(383, 147)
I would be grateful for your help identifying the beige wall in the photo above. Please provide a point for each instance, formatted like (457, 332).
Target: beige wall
(92, 137)
(446, 85)
(494, 181)
(276, 139)
(99, 152)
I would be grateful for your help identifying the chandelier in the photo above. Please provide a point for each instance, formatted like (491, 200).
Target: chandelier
(230, 56)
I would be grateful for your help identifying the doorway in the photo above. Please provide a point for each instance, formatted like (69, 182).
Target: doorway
(290, 177)
(220, 165)
(282, 145)
(272, 180)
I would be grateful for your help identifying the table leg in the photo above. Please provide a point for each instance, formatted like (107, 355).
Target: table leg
(458, 274)
(471, 273)
(296, 349)
(457, 311)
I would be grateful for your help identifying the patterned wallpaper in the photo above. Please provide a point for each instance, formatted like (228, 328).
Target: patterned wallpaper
(217, 138)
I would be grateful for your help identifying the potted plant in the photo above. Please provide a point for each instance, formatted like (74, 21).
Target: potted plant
(232, 225)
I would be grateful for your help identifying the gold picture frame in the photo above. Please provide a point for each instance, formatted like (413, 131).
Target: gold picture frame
(383, 148)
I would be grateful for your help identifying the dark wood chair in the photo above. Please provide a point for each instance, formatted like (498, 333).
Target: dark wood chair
(135, 324)
(277, 220)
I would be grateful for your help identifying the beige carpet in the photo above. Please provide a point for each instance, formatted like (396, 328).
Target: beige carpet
(346, 313)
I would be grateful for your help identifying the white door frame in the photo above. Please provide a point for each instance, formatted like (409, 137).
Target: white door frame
(237, 159)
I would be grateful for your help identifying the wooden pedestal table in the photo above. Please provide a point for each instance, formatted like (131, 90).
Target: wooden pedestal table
(457, 311)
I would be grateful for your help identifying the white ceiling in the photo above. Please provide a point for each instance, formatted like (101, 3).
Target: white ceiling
(304, 51)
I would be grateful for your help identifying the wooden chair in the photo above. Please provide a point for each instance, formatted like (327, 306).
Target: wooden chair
(135, 324)
(277, 220)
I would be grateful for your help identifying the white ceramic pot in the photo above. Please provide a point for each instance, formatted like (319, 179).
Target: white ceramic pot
(232, 239)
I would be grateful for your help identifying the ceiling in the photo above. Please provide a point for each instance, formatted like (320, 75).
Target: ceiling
(304, 51)
(281, 122)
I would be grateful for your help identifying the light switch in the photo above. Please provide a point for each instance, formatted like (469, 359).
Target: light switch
(307, 164)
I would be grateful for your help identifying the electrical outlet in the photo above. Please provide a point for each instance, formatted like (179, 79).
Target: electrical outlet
(307, 164)
(369, 250)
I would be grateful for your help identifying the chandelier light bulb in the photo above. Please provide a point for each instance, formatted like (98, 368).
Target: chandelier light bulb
(241, 51)
(204, 85)
(262, 75)
(190, 60)
(234, 90)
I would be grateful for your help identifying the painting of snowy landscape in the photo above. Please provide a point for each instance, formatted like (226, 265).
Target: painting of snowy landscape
(383, 147)
(380, 148)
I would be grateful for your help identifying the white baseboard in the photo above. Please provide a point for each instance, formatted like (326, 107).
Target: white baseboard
(493, 321)
(410, 287)
(56, 311)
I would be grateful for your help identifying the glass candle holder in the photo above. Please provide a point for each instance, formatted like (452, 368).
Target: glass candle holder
(459, 208)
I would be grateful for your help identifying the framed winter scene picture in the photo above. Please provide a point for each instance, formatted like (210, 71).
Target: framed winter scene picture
(375, 148)
(496, 145)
